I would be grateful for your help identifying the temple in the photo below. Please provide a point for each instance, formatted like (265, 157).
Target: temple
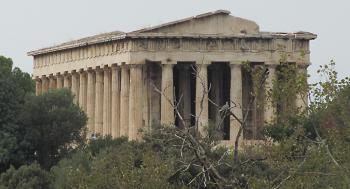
(131, 81)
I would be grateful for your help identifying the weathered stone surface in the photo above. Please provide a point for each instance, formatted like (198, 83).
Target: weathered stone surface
(175, 59)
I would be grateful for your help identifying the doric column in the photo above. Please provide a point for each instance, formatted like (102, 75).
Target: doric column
(75, 86)
(202, 115)
(38, 86)
(52, 82)
(115, 101)
(90, 106)
(107, 106)
(269, 106)
(135, 102)
(82, 90)
(99, 102)
(66, 81)
(45, 84)
(59, 83)
(302, 95)
(236, 99)
(124, 101)
(167, 98)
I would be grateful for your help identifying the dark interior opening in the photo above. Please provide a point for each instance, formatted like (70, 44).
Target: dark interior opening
(219, 78)
(185, 93)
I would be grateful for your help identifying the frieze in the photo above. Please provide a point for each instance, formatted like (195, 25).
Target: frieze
(170, 44)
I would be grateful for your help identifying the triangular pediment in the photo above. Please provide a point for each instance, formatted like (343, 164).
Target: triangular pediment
(219, 22)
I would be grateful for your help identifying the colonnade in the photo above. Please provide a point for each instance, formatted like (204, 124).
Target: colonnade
(112, 97)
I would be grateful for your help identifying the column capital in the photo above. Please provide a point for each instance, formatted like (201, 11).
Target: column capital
(98, 70)
(235, 65)
(115, 67)
(167, 65)
(237, 62)
(168, 61)
(202, 65)
(135, 65)
(204, 62)
(37, 78)
(106, 67)
(303, 66)
(90, 70)
(81, 71)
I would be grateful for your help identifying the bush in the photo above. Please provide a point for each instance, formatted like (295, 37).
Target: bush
(25, 177)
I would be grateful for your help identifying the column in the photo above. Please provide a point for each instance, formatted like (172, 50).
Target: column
(115, 101)
(75, 87)
(99, 102)
(59, 83)
(107, 108)
(236, 99)
(302, 95)
(167, 98)
(270, 107)
(52, 82)
(124, 101)
(135, 102)
(90, 106)
(82, 90)
(45, 84)
(66, 81)
(202, 115)
(38, 86)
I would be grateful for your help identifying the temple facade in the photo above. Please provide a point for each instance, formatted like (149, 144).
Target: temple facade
(131, 81)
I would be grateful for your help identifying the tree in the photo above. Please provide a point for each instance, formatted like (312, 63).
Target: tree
(15, 85)
(116, 164)
(51, 126)
(26, 177)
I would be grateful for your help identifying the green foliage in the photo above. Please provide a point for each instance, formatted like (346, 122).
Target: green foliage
(25, 177)
(52, 125)
(15, 85)
(118, 164)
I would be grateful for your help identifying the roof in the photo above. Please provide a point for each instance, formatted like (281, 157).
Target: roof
(153, 32)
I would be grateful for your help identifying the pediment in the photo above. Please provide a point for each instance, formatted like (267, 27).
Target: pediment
(219, 22)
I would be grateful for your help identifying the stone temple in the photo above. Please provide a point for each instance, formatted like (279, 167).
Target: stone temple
(128, 81)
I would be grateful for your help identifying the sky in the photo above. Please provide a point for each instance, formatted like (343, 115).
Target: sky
(29, 25)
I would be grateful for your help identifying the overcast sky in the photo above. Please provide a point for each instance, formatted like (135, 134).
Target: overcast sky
(32, 24)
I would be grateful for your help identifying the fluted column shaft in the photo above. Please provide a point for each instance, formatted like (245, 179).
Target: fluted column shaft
(52, 82)
(236, 99)
(202, 115)
(75, 87)
(124, 101)
(135, 102)
(82, 90)
(59, 83)
(99, 102)
(167, 98)
(302, 95)
(38, 86)
(115, 101)
(66, 81)
(45, 84)
(269, 106)
(107, 108)
(90, 106)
